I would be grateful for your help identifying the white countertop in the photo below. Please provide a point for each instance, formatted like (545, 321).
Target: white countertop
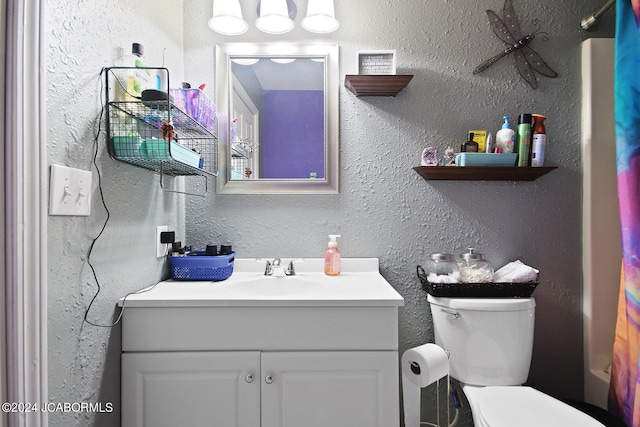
(359, 284)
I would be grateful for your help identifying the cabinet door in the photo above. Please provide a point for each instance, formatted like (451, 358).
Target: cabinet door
(337, 389)
(195, 389)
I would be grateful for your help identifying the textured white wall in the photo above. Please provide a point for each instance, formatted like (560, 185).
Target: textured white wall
(384, 209)
(82, 37)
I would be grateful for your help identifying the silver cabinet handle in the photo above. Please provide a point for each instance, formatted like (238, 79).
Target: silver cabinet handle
(249, 378)
(455, 314)
(268, 379)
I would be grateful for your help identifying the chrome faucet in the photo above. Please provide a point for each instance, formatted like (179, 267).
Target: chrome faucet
(275, 268)
(268, 271)
(291, 271)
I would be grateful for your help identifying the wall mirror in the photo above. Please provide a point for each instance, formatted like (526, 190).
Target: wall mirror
(278, 118)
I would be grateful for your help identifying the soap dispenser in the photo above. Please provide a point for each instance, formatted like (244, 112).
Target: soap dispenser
(505, 137)
(332, 257)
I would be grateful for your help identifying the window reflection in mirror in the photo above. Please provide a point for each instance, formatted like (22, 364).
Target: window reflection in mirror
(278, 111)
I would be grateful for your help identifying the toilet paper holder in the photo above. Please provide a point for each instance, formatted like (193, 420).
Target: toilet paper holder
(421, 367)
(415, 368)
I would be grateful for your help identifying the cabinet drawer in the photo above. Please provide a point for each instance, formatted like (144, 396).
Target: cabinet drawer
(263, 328)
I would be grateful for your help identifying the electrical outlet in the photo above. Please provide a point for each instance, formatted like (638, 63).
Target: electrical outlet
(161, 248)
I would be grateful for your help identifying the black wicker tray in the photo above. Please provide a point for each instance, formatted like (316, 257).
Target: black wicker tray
(476, 290)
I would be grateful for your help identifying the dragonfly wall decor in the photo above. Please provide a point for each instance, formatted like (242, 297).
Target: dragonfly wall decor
(527, 59)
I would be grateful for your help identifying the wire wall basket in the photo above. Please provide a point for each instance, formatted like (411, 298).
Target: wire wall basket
(157, 134)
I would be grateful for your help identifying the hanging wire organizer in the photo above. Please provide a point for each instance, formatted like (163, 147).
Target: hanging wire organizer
(157, 135)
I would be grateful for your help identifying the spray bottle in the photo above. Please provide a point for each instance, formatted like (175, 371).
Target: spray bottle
(538, 140)
(524, 139)
(332, 257)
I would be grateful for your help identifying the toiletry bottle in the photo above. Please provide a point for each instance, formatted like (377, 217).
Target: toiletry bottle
(470, 146)
(141, 76)
(505, 137)
(538, 140)
(175, 249)
(489, 143)
(332, 257)
(480, 137)
(131, 82)
(524, 139)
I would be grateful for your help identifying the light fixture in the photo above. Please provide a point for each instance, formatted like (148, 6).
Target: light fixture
(283, 60)
(274, 17)
(321, 17)
(227, 18)
(245, 61)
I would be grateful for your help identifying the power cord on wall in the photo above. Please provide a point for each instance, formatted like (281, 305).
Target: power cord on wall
(106, 221)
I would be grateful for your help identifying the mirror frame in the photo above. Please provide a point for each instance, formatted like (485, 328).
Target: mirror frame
(328, 185)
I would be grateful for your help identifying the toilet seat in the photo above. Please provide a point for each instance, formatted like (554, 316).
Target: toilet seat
(508, 406)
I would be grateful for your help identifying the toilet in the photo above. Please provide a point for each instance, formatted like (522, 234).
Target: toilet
(490, 341)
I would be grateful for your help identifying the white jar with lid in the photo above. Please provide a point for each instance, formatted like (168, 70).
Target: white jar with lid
(474, 268)
(442, 268)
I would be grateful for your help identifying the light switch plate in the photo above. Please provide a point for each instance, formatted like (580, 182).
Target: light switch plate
(69, 191)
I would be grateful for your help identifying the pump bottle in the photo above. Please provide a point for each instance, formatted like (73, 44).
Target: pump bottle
(505, 137)
(332, 259)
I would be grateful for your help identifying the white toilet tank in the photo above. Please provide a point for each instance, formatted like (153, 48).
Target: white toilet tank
(490, 340)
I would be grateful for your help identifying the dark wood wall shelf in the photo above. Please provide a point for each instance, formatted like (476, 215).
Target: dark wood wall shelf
(376, 84)
(482, 173)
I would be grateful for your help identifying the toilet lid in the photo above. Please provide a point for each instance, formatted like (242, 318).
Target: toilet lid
(526, 407)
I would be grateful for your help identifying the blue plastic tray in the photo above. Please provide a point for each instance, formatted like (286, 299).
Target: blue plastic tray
(201, 267)
(486, 159)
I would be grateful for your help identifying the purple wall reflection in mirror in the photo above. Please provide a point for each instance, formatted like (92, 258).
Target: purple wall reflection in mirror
(293, 130)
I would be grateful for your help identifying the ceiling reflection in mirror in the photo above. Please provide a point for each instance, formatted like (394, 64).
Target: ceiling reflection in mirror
(277, 118)
(281, 105)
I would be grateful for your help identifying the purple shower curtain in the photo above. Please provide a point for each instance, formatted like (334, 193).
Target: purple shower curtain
(624, 392)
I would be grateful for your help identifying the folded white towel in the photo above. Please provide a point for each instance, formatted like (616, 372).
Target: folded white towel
(516, 272)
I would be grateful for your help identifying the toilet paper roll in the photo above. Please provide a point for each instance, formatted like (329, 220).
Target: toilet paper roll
(421, 366)
(425, 364)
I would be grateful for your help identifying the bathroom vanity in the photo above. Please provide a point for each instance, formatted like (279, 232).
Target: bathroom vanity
(254, 350)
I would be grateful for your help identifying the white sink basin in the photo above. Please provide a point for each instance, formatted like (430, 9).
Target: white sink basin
(359, 284)
(274, 286)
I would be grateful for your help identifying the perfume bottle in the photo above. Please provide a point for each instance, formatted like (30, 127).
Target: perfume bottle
(470, 146)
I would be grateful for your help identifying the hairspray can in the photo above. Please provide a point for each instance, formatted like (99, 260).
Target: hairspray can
(524, 139)
(538, 140)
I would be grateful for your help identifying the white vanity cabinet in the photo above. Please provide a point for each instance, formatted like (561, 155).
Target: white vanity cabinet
(252, 389)
(196, 355)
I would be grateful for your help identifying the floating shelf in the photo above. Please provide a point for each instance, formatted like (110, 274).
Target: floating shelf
(483, 173)
(376, 84)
